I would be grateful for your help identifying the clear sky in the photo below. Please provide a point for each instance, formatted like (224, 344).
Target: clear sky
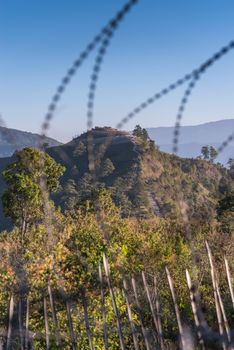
(158, 42)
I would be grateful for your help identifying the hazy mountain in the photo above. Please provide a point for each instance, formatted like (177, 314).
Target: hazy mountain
(192, 138)
(12, 140)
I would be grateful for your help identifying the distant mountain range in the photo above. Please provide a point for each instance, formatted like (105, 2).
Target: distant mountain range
(192, 138)
(12, 140)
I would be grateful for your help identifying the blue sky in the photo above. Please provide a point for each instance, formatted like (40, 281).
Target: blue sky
(158, 42)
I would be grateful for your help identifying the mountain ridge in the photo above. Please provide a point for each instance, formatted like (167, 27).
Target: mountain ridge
(193, 137)
(12, 140)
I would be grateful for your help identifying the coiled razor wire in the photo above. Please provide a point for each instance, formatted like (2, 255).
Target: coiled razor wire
(196, 76)
(225, 143)
(181, 110)
(149, 101)
(201, 69)
(109, 32)
(111, 26)
(91, 96)
(104, 37)
(193, 77)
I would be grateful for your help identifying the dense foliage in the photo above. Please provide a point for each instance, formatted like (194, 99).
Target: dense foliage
(24, 200)
(140, 176)
(68, 257)
(112, 213)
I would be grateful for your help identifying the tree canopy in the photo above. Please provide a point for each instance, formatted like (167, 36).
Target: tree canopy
(27, 177)
(209, 153)
(141, 133)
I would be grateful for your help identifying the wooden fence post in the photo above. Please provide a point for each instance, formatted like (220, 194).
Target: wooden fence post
(54, 316)
(217, 305)
(10, 320)
(47, 335)
(194, 309)
(116, 311)
(103, 308)
(133, 329)
(157, 305)
(27, 324)
(70, 325)
(145, 336)
(87, 325)
(146, 287)
(226, 325)
(155, 315)
(20, 323)
(180, 327)
(229, 281)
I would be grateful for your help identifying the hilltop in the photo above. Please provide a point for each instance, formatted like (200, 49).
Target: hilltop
(142, 178)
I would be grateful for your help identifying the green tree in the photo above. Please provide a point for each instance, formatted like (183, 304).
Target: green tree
(86, 187)
(205, 152)
(107, 168)
(213, 153)
(225, 211)
(231, 167)
(79, 150)
(141, 133)
(70, 195)
(27, 178)
(227, 203)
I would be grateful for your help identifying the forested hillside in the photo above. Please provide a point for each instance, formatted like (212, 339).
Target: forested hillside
(141, 178)
(145, 212)
(143, 181)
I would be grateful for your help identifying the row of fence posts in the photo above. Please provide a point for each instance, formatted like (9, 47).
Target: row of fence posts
(152, 339)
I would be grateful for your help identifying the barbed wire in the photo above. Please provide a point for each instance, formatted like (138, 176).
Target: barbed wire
(181, 110)
(104, 37)
(95, 76)
(91, 98)
(194, 75)
(113, 23)
(225, 143)
(153, 99)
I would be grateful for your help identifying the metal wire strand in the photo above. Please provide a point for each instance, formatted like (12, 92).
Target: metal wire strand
(113, 23)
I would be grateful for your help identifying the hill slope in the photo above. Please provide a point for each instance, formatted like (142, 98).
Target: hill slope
(143, 180)
(12, 140)
(192, 138)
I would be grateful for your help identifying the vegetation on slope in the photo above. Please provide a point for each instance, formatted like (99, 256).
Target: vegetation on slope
(64, 248)
(67, 256)
(138, 174)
